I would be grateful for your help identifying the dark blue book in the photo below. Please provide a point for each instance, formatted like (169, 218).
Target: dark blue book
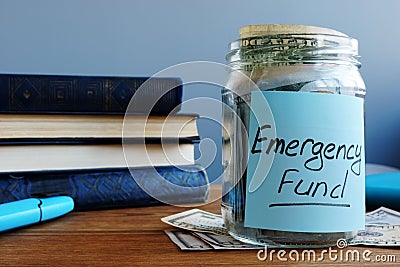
(71, 94)
(104, 189)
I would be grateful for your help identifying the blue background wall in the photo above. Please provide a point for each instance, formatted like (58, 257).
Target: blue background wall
(121, 37)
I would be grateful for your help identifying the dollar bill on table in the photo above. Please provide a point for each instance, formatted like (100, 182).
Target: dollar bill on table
(197, 220)
(186, 241)
(197, 241)
(224, 241)
(378, 235)
(382, 229)
(382, 216)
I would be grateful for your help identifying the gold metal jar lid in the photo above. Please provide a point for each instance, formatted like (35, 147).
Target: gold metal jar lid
(272, 29)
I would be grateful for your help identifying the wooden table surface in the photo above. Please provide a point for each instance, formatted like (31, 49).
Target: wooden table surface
(135, 237)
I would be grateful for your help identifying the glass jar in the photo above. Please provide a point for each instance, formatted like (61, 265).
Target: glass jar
(310, 81)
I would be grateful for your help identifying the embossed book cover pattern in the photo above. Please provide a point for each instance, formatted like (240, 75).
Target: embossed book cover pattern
(109, 189)
(82, 94)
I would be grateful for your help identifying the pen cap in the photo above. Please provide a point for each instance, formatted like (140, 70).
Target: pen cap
(19, 213)
(56, 206)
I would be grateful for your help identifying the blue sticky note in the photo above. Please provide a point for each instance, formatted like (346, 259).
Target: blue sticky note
(306, 168)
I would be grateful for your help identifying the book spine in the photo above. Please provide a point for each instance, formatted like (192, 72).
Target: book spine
(94, 190)
(95, 140)
(20, 93)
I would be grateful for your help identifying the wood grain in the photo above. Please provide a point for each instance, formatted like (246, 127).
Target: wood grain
(130, 237)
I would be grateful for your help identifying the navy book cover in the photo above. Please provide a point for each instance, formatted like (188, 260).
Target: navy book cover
(67, 94)
(103, 189)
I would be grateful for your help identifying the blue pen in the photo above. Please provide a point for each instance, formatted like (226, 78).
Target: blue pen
(383, 189)
(33, 210)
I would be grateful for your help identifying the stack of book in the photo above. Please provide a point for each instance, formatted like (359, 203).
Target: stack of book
(69, 135)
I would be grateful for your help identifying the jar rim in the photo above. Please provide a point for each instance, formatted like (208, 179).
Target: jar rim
(269, 43)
